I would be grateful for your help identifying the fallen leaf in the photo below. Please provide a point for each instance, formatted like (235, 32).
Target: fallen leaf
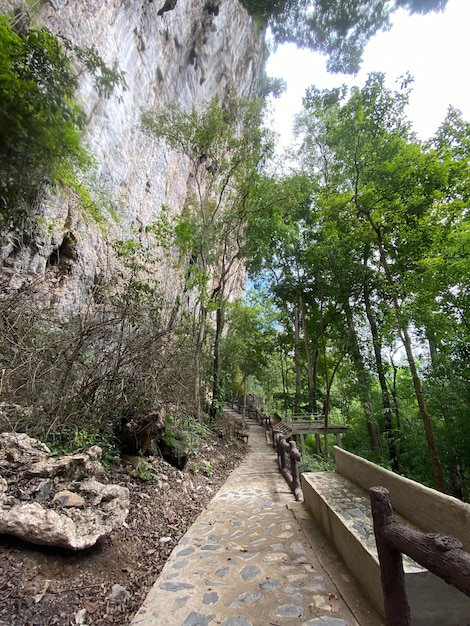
(40, 595)
(91, 607)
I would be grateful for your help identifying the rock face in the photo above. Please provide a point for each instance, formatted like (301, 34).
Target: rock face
(198, 50)
(56, 501)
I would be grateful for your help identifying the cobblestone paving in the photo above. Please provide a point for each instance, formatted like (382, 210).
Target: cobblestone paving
(245, 561)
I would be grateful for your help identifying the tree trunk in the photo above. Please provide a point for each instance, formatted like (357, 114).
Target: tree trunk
(216, 395)
(245, 386)
(298, 373)
(328, 381)
(326, 402)
(310, 366)
(326, 407)
(432, 348)
(198, 365)
(435, 462)
(285, 387)
(387, 408)
(396, 408)
(364, 383)
(456, 478)
(426, 419)
(316, 362)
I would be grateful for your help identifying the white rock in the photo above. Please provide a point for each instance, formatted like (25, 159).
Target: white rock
(119, 594)
(84, 508)
(80, 617)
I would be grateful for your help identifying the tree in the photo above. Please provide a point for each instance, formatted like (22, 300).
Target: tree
(225, 146)
(248, 344)
(277, 256)
(339, 29)
(387, 185)
(41, 122)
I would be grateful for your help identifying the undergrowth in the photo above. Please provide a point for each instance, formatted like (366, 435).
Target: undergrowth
(311, 462)
(71, 441)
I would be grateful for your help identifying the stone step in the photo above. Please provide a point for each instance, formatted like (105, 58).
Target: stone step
(342, 509)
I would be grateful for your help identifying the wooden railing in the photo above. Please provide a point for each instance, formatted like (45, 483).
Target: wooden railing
(301, 426)
(440, 554)
(260, 416)
(288, 457)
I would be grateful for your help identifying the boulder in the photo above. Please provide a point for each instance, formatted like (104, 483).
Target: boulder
(56, 501)
(174, 448)
(17, 449)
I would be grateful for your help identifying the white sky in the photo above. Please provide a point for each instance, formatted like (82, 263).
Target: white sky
(434, 48)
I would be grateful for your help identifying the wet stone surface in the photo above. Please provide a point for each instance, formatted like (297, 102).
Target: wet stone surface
(352, 505)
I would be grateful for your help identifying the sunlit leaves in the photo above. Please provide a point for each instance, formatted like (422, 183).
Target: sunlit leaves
(41, 122)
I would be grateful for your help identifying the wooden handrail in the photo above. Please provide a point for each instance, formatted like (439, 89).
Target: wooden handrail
(291, 474)
(440, 554)
(288, 455)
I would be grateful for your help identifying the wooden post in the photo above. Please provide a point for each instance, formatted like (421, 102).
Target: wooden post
(281, 452)
(397, 610)
(274, 434)
(294, 464)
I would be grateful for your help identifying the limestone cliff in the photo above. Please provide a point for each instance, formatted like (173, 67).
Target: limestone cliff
(199, 49)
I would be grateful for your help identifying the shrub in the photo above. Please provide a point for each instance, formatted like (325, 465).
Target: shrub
(41, 122)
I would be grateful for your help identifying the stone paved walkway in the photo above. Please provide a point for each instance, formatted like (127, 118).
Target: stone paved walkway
(248, 560)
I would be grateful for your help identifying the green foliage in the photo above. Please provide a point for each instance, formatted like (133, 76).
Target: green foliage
(311, 462)
(142, 470)
(193, 431)
(41, 123)
(71, 441)
(225, 146)
(340, 30)
(273, 87)
(369, 268)
(194, 467)
(203, 467)
(249, 343)
(207, 468)
(105, 79)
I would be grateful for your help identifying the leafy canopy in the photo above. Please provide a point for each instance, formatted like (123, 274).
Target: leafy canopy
(339, 29)
(41, 122)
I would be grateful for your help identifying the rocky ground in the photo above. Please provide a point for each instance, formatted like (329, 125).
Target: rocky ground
(107, 584)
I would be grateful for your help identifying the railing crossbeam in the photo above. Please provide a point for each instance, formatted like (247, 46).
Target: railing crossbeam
(288, 449)
(440, 554)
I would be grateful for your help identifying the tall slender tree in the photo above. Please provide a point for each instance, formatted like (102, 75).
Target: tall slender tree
(389, 186)
(225, 146)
